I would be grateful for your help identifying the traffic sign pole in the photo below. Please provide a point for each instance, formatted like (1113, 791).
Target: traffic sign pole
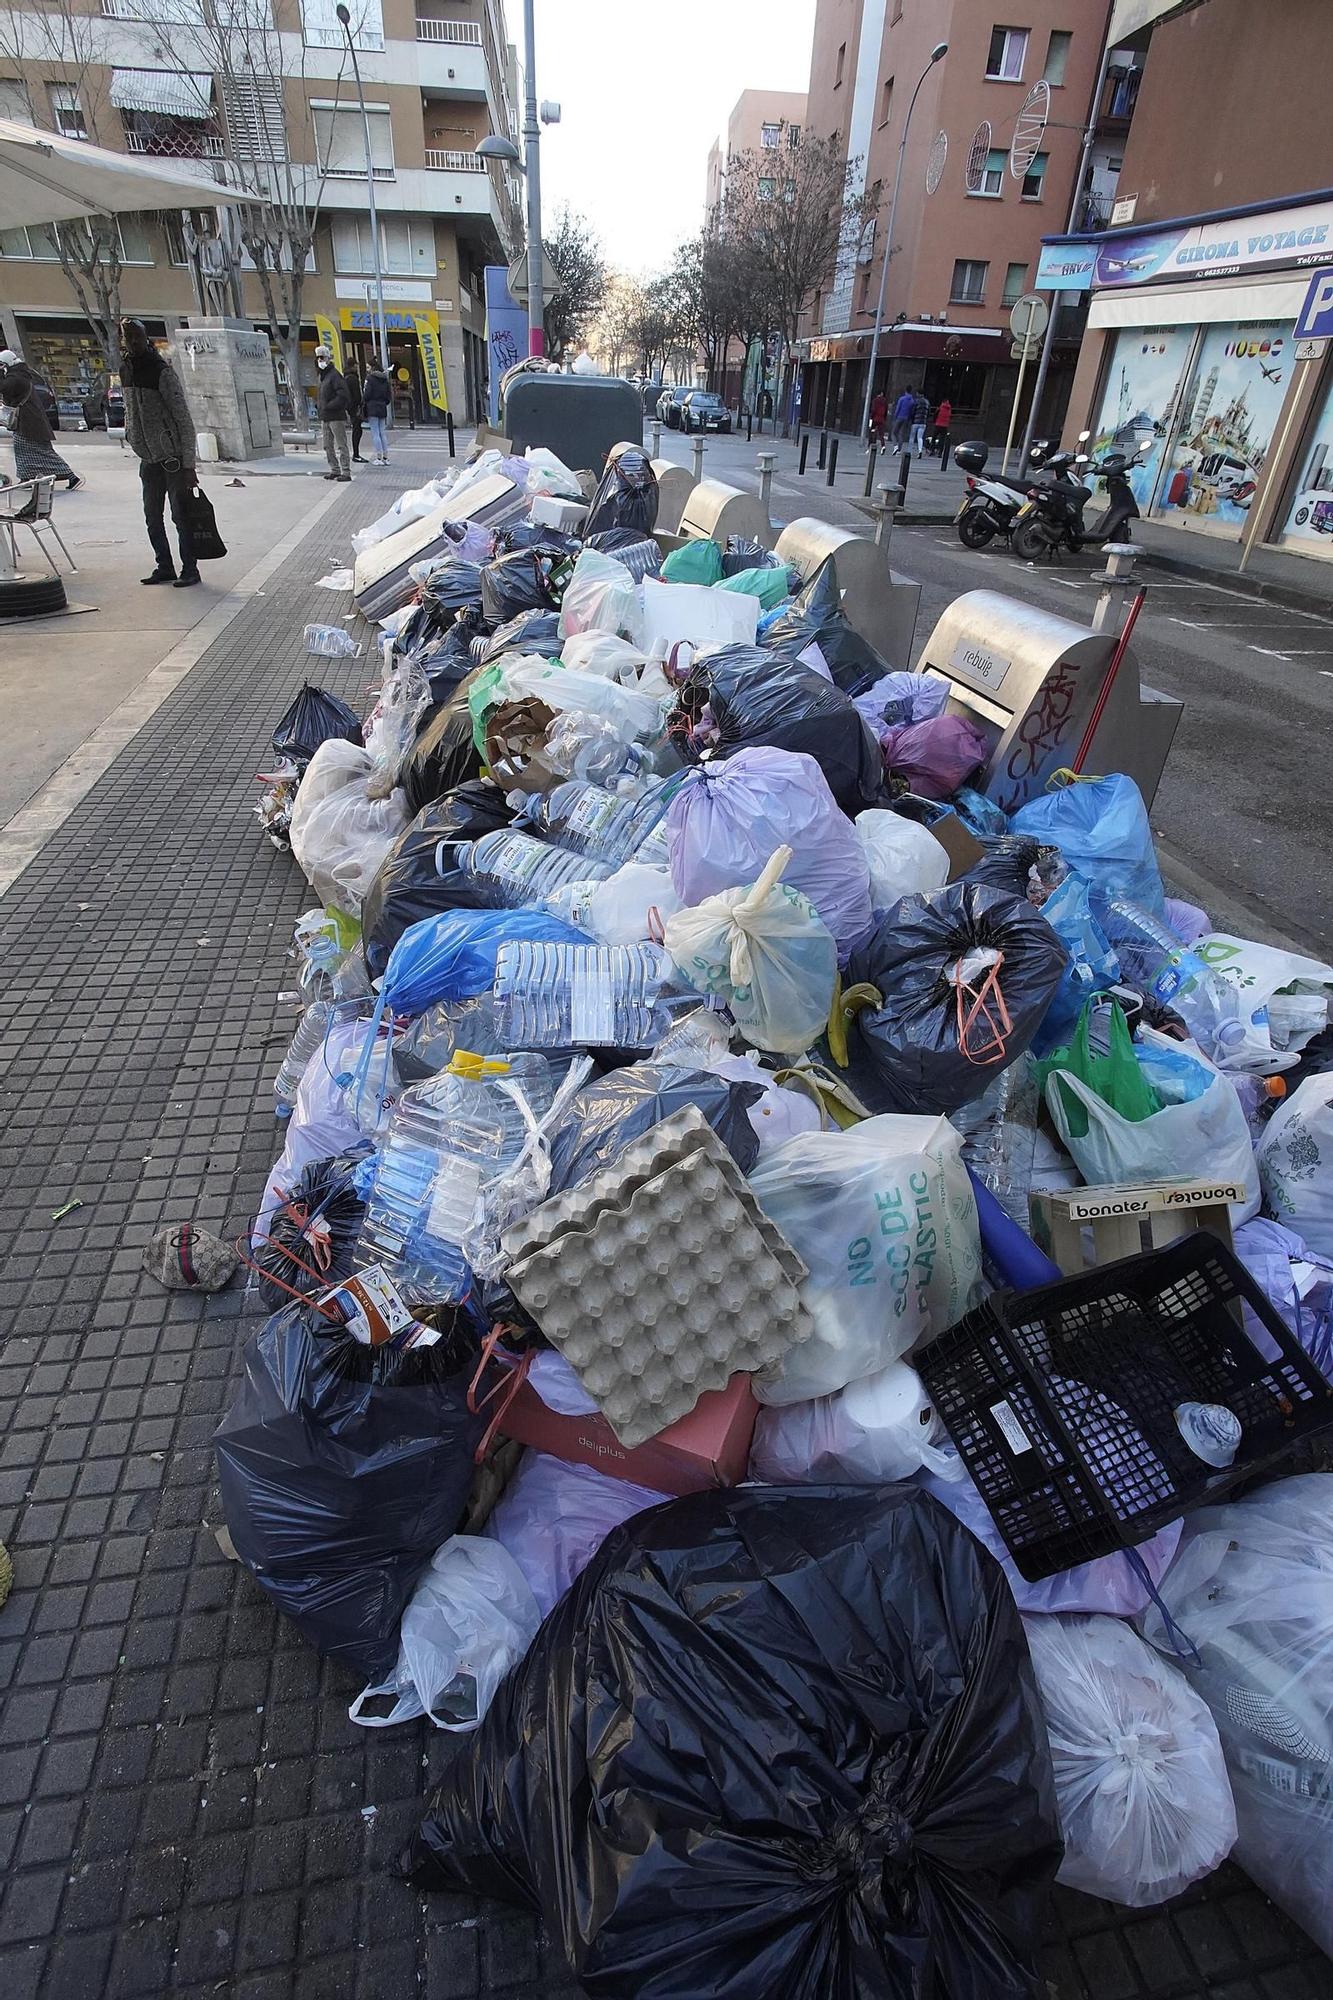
(1027, 321)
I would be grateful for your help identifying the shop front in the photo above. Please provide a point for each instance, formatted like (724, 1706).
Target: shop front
(416, 364)
(973, 368)
(1194, 350)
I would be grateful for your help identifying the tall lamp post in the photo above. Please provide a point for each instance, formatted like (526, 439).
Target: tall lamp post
(937, 54)
(345, 17)
(496, 146)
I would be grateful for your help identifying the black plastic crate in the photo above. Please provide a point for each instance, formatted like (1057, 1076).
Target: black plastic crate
(1061, 1400)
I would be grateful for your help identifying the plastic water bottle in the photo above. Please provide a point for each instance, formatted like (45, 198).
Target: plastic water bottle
(310, 1032)
(330, 642)
(446, 1142)
(1141, 941)
(551, 995)
(591, 747)
(351, 981)
(512, 870)
(590, 820)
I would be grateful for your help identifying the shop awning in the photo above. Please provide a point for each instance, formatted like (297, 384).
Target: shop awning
(174, 93)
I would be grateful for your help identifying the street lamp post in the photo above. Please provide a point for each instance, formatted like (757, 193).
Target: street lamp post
(345, 17)
(937, 54)
(532, 164)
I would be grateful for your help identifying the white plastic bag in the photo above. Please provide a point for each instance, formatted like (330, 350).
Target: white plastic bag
(1204, 1139)
(635, 715)
(905, 859)
(339, 834)
(601, 596)
(471, 1618)
(1272, 1027)
(548, 474)
(403, 701)
(1140, 1783)
(553, 1517)
(764, 951)
(694, 611)
(879, 1428)
(1295, 1157)
(626, 908)
(595, 652)
(1252, 1588)
(323, 1121)
(885, 1219)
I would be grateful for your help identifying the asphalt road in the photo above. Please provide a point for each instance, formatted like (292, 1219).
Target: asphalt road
(1244, 805)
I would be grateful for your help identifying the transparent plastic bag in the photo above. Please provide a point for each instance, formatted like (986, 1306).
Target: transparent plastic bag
(764, 951)
(470, 1619)
(601, 596)
(403, 701)
(1140, 1781)
(339, 834)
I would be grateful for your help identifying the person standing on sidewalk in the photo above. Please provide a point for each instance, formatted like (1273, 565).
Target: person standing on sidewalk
(943, 424)
(920, 418)
(333, 413)
(378, 400)
(160, 432)
(879, 417)
(354, 412)
(902, 418)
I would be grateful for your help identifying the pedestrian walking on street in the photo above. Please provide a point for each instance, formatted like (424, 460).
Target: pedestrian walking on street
(333, 416)
(160, 432)
(377, 402)
(902, 418)
(354, 412)
(879, 417)
(920, 418)
(943, 424)
(35, 455)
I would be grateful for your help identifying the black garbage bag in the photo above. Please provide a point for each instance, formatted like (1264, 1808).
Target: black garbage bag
(315, 717)
(454, 584)
(756, 698)
(742, 552)
(443, 755)
(940, 1035)
(771, 1743)
(611, 1110)
(626, 495)
(528, 632)
(420, 875)
(535, 535)
(517, 582)
(816, 616)
(311, 1235)
(342, 1469)
(1007, 862)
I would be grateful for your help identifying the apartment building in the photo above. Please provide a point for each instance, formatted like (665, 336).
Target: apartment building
(961, 255)
(760, 121)
(153, 77)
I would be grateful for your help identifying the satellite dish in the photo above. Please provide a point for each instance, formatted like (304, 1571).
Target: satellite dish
(939, 153)
(1030, 129)
(977, 155)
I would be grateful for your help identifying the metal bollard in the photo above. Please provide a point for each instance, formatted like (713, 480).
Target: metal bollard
(833, 462)
(904, 467)
(698, 450)
(805, 446)
(765, 462)
(823, 448)
(1118, 587)
(885, 509)
(871, 456)
(449, 425)
(655, 430)
(749, 426)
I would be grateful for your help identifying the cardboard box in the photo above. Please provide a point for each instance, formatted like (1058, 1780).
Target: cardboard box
(962, 846)
(709, 1447)
(1121, 1218)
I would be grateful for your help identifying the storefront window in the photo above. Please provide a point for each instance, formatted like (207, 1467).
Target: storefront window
(1309, 523)
(1226, 422)
(1140, 399)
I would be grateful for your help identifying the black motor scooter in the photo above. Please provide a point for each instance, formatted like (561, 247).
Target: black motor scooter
(989, 505)
(1052, 516)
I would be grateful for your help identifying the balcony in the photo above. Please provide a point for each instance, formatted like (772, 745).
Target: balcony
(464, 34)
(453, 163)
(1120, 94)
(451, 61)
(176, 146)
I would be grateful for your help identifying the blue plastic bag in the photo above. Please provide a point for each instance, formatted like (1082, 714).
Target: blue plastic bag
(979, 814)
(1102, 830)
(1092, 963)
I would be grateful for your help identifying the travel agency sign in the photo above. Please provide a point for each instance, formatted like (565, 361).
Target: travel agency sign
(1272, 239)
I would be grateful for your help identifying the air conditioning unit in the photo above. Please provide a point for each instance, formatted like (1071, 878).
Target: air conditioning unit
(925, 318)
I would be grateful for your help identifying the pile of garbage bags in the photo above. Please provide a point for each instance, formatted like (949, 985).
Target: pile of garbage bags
(687, 1050)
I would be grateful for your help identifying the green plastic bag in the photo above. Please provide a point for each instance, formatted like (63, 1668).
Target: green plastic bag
(485, 694)
(693, 562)
(768, 585)
(1115, 1077)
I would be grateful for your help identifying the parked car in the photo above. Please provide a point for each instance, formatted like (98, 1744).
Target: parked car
(651, 392)
(104, 409)
(703, 411)
(669, 402)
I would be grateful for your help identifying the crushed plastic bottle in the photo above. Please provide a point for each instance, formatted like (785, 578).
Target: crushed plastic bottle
(330, 642)
(1141, 942)
(446, 1142)
(570, 995)
(590, 820)
(310, 1032)
(587, 746)
(512, 869)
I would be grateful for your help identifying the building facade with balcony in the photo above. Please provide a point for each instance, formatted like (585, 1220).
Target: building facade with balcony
(260, 92)
(962, 255)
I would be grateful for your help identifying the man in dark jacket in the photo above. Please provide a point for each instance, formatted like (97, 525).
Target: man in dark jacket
(334, 409)
(160, 432)
(353, 381)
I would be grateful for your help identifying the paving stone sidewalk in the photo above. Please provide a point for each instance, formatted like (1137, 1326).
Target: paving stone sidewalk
(184, 1805)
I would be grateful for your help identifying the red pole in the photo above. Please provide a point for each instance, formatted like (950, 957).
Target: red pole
(1122, 645)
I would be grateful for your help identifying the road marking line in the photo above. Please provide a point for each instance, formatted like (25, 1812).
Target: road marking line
(1269, 654)
(1192, 624)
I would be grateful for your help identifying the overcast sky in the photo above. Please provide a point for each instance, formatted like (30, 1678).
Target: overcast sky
(644, 91)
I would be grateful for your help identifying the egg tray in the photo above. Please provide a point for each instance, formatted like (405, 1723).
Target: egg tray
(674, 1139)
(664, 1298)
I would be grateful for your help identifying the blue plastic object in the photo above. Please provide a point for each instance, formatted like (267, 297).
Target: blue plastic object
(1101, 828)
(1092, 963)
(1009, 1253)
(979, 814)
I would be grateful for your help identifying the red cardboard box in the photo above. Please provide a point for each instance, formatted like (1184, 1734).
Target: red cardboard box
(709, 1447)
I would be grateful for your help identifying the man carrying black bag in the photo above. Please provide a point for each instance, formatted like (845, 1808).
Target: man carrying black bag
(160, 432)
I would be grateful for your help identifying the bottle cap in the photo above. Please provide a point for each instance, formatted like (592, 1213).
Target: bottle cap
(1275, 1086)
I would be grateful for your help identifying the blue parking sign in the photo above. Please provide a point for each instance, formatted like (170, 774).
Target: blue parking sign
(1315, 318)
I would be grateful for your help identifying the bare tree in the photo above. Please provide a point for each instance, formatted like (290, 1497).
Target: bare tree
(57, 38)
(611, 337)
(791, 211)
(581, 273)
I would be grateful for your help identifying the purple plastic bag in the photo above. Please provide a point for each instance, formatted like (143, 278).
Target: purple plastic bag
(935, 757)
